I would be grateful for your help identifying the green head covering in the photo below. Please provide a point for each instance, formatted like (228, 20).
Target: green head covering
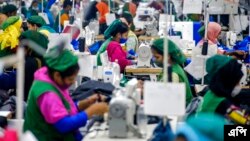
(60, 61)
(9, 8)
(38, 20)
(210, 125)
(201, 31)
(114, 25)
(9, 21)
(36, 37)
(213, 64)
(127, 15)
(173, 50)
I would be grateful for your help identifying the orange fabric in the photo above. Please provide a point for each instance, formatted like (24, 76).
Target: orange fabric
(132, 9)
(64, 17)
(103, 9)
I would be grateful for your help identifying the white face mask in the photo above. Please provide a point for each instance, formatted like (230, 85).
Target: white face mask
(236, 91)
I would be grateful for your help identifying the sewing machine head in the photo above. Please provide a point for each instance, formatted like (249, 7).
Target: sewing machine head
(144, 56)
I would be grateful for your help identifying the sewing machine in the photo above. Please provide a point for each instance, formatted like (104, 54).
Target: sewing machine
(144, 56)
(110, 70)
(145, 19)
(122, 111)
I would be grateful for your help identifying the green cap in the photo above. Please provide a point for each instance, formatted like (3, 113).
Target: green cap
(36, 37)
(9, 21)
(201, 31)
(127, 15)
(114, 25)
(210, 125)
(173, 50)
(9, 8)
(60, 61)
(215, 63)
(38, 20)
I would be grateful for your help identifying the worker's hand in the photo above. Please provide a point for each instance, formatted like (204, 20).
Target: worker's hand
(238, 54)
(97, 109)
(83, 104)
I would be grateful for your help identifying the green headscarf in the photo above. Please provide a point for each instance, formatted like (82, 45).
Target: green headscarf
(173, 50)
(36, 37)
(10, 21)
(60, 61)
(9, 8)
(201, 31)
(38, 20)
(210, 125)
(128, 16)
(215, 63)
(114, 25)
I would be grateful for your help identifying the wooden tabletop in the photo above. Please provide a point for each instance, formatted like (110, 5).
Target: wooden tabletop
(134, 69)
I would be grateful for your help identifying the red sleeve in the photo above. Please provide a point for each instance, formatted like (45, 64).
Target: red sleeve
(115, 52)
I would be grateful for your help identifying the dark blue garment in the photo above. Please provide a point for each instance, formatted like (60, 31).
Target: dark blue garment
(93, 49)
(8, 80)
(244, 46)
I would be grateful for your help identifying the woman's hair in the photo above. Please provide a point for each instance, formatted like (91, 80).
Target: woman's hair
(157, 50)
(67, 3)
(122, 28)
(68, 72)
(129, 18)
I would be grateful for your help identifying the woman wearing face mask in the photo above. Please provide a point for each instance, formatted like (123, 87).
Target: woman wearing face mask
(51, 113)
(116, 34)
(33, 9)
(224, 75)
(176, 60)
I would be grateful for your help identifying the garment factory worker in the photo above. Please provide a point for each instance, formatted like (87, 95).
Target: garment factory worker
(211, 129)
(132, 43)
(103, 9)
(224, 75)
(176, 60)
(33, 9)
(51, 114)
(24, 9)
(91, 11)
(33, 60)
(213, 33)
(8, 11)
(116, 34)
(64, 15)
(37, 23)
(214, 30)
(9, 37)
(131, 7)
